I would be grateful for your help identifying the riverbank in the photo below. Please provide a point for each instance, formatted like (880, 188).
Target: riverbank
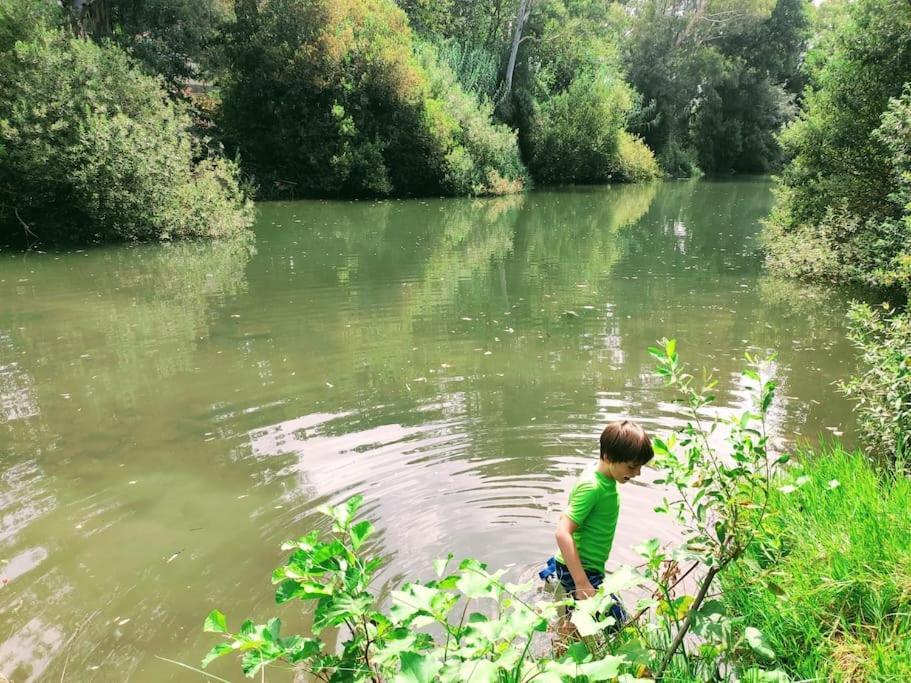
(829, 582)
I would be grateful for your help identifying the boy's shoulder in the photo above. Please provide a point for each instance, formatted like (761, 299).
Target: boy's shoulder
(590, 480)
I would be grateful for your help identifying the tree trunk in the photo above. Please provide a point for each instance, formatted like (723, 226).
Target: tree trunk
(521, 18)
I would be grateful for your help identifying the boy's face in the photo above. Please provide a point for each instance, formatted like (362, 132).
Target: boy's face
(622, 472)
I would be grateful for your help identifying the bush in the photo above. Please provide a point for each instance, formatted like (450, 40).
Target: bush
(882, 393)
(575, 134)
(480, 157)
(678, 162)
(829, 583)
(331, 97)
(846, 190)
(91, 149)
(635, 160)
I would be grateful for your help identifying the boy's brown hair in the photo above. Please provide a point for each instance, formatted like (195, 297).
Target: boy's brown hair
(625, 441)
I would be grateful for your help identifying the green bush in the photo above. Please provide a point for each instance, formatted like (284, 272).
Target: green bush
(574, 134)
(882, 392)
(480, 157)
(635, 160)
(91, 149)
(845, 192)
(333, 97)
(678, 162)
(829, 584)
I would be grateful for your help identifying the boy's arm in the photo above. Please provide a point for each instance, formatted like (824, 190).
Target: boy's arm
(567, 545)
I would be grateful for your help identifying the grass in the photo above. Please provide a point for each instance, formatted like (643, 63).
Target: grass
(829, 584)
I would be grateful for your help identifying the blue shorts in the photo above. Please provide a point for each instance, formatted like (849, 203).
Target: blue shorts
(560, 572)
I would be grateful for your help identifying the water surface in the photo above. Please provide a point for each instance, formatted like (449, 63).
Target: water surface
(170, 414)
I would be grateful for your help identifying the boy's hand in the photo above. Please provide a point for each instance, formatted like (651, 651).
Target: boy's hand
(585, 591)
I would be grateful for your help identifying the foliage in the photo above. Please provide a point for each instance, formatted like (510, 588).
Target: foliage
(635, 161)
(721, 77)
(482, 628)
(828, 582)
(844, 196)
(573, 102)
(882, 392)
(333, 97)
(482, 158)
(90, 149)
(170, 38)
(574, 134)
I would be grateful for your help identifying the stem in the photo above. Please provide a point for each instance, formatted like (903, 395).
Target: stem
(678, 639)
(367, 650)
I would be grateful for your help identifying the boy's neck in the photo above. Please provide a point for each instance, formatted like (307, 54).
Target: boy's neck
(604, 469)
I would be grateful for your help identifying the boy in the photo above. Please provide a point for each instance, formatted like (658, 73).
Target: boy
(586, 528)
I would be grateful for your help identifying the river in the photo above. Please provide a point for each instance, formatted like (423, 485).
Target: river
(169, 414)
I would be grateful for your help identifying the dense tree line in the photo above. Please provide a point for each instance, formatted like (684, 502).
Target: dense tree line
(844, 204)
(367, 98)
(92, 148)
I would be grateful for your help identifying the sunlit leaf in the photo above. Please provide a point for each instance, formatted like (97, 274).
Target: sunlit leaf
(215, 623)
(215, 653)
(757, 642)
(359, 533)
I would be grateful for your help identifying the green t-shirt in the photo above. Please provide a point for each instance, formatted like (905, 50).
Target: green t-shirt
(595, 506)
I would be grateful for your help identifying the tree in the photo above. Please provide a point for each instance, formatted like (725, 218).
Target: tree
(334, 97)
(92, 149)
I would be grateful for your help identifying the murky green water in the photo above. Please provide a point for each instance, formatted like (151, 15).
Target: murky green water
(168, 415)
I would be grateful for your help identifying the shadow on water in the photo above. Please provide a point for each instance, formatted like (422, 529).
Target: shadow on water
(169, 415)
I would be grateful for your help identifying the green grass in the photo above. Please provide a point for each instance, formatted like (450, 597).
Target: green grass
(829, 584)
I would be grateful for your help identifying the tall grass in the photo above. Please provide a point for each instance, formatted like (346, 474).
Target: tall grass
(829, 584)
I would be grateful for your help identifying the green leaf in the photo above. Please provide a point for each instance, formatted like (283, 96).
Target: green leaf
(215, 623)
(623, 578)
(577, 652)
(602, 669)
(417, 668)
(671, 347)
(215, 653)
(757, 642)
(298, 649)
(353, 504)
(479, 671)
(251, 662)
(359, 533)
(585, 624)
(439, 564)
(475, 584)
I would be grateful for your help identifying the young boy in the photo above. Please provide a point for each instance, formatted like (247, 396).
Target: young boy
(586, 528)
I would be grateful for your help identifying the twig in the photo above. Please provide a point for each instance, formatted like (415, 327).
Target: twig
(28, 231)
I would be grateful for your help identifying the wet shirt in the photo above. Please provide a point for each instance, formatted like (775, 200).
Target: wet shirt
(595, 506)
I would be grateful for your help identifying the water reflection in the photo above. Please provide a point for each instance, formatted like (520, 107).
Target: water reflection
(169, 415)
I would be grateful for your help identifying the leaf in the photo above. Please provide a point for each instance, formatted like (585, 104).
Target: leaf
(353, 504)
(623, 578)
(602, 669)
(215, 623)
(577, 652)
(359, 533)
(417, 668)
(479, 671)
(585, 624)
(757, 642)
(439, 564)
(251, 662)
(215, 653)
(477, 585)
